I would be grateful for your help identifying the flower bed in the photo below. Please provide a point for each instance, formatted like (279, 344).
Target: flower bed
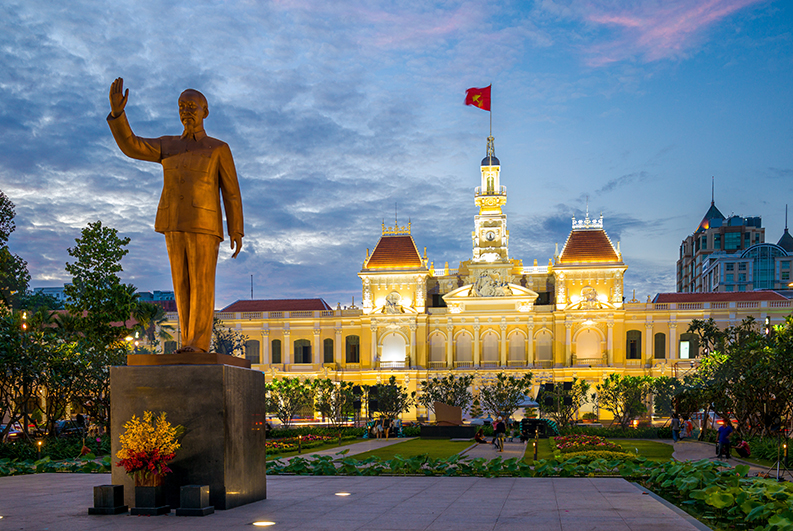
(584, 443)
(290, 444)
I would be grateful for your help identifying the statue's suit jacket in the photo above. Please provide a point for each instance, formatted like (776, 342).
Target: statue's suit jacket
(196, 172)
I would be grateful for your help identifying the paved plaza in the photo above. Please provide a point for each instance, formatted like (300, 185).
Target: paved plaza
(60, 502)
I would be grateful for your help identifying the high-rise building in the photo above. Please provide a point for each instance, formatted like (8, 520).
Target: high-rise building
(715, 234)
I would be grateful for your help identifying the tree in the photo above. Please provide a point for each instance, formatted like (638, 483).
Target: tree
(450, 390)
(152, 325)
(503, 396)
(334, 400)
(666, 394)
(14, 276)
(20, 369)
(100, 305)
(566, 402)
(624, 396)
(227, 341)
(392, 399)
(286, 396)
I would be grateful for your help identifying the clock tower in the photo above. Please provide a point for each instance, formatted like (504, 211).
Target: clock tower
(490, 236)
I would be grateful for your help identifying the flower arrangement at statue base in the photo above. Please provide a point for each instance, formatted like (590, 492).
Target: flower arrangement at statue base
(147, 445)
(584, 443)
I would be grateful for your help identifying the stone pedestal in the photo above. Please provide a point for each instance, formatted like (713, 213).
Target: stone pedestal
(222, 410)
(108, 499)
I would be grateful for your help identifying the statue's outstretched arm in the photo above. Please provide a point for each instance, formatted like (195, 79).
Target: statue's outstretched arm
(131, 145)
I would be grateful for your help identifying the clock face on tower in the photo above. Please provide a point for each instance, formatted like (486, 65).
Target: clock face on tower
(490, 236)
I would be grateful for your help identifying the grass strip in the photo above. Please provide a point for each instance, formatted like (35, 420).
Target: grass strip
(315, 449)
(435, 448)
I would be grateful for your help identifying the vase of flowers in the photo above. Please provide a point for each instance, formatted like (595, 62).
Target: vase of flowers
(147, 445)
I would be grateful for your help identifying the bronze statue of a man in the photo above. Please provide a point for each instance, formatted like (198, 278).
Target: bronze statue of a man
(197, 168)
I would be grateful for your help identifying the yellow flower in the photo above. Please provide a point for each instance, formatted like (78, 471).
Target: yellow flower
(147, 435)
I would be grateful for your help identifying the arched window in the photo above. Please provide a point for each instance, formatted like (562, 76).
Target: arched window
(587, 346)
(275, 351)
(633, 345)
(327, 347)
(302, 351)
(660, 346)
(544, 346)
(490, 347)
(517, 347)
(437, 347)
(352, 349)
(689, 346)
(252, 351)
(462, 347)
(394, 349)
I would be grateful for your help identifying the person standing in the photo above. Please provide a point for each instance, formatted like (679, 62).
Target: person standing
(500, 430)
(723, 445)
(675, 428)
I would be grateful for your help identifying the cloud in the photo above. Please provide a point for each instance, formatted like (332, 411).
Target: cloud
(652, 31)
(623, 180)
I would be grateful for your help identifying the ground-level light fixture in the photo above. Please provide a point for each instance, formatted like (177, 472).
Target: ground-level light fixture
(263, 524)
(342, 494)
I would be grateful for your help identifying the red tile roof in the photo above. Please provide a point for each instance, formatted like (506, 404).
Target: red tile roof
(588, 246)
(713, 296)
(277, 305)
(395, 252)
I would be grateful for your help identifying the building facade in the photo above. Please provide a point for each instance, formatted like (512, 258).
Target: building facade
(567, 319)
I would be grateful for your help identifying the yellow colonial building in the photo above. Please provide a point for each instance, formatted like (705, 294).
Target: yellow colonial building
(491, 314)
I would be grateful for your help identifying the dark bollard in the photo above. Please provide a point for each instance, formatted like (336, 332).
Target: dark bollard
(194, 501)
(108, 499)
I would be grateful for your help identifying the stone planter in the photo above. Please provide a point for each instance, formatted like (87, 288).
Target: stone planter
(150, 501)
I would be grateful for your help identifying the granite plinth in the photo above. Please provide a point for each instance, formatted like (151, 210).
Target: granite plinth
(222, 410)
(188, 358)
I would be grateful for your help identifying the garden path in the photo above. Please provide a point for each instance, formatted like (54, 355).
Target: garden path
(696, 450)
(488, 451)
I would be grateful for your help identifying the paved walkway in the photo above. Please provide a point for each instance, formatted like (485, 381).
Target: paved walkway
(488, 451)
(60, 502)
(352, 449)
(696, 450)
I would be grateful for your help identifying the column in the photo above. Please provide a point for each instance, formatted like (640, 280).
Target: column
(610, 342)
(672, 340)
(449, 346)
(530, 339)
(503, 342)
(648, 342)
(373, 328)
(318, 356)
(476, 342)
(266, 346)
(286, 349)
(338, 346)
(412, 360)
(568, 343)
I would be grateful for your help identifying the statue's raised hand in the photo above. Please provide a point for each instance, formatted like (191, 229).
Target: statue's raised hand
(118, 98)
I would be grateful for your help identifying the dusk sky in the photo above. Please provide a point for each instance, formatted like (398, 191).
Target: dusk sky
(335, 111)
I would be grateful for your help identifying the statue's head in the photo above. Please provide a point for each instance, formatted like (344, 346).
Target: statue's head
(193, 108)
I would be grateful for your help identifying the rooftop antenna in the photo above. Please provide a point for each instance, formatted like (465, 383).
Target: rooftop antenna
(251, 287)
(396, 223)
(712, 190)
(785, 218)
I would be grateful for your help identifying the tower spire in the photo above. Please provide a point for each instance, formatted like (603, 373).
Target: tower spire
(713, 190)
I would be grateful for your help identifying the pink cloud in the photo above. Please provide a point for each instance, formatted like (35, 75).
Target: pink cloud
(659, 30)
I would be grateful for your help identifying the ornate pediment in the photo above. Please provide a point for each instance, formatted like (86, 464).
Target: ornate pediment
(490, 294)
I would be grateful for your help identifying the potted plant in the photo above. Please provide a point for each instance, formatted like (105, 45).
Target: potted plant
(589, 417)
(147, 445)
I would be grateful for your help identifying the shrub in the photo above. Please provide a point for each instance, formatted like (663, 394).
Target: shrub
(619, 433)
(591, 455)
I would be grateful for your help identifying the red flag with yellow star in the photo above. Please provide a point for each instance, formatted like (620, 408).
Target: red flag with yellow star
(478, 97)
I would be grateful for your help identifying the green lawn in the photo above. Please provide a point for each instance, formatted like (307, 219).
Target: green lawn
(654, 451)
(544, 450)
(328, 446)
(435, 448)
